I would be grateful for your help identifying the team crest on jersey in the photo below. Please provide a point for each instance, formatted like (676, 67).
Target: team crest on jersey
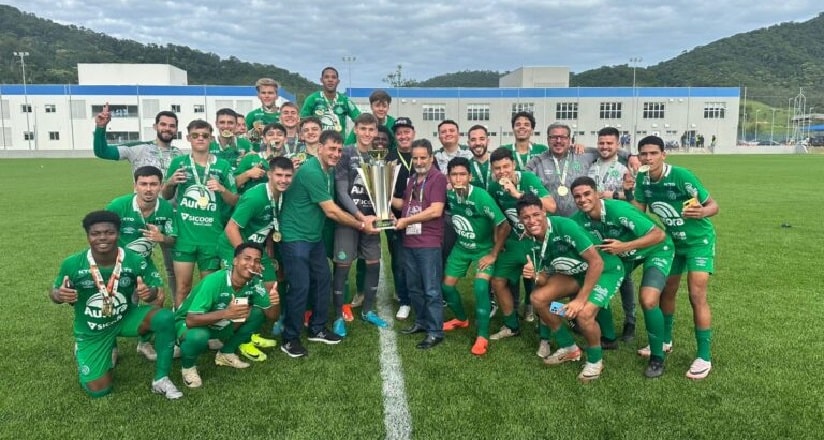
(627, 223)
(672, 195)
(691, 190)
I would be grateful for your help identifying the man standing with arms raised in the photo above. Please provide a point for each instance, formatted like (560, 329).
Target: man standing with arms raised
(328, 105)
(309, 201)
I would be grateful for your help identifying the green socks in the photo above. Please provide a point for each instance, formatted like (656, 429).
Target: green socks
(654, 320)
(482, 306)
(453, 299)
(668, 320)
(703, 338)
(606, 323)
(162, 325)
(594, 354)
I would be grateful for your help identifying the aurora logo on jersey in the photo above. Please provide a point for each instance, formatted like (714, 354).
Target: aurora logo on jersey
(669, 216)
(568, 266)
(94, 309)
(199, 197)
(463, 227)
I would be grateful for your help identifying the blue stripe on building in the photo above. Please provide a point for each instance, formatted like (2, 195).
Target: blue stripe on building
(91, 90)
(569, 93)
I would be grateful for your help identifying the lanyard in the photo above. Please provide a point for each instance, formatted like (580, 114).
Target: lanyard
(521, 165)
(539, 262)
(108, 289)
(420, 192)
(664, 173)
(403, 161)
(275, 205)
(484, 179)
(139, 213)
(194, 170)
(562, 176)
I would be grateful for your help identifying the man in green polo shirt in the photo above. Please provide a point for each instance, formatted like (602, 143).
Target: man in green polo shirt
(228, 305)
(565, 262)
(330, 106)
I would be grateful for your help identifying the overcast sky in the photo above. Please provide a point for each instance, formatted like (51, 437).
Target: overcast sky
(427, 38)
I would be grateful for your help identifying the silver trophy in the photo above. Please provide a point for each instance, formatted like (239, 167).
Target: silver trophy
(377, 177)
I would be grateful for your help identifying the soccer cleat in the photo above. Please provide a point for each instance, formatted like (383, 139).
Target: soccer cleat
(544, 349)
(699, 369)
(529, 314)
(229, 360)
(167, 388)
(655, 368)
(293, 349)
(215, 344)
(561, 355)
(145, 348)
(261, 342)
(249, 351)
(504, 332)
(190, 377)
(357, 301)
(480, 346)
(325, 337)
(339, 327)
(373, 318)
(403, 312)
(591, 371)
(277, 329)
(645, 352)
(346, 312)
(452, 324)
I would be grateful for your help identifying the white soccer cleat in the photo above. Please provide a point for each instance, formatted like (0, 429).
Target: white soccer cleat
(145, 348)
(230, 360)
(190, 377)
(699, 369)
(544, 349)
(165, 387)
(645, 352)
(561, 355)
(591, 371)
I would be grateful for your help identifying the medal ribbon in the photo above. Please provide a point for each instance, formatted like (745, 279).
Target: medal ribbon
(563, 175)
(194, 170)
(484, 179)
(108, 289)
(539, 262)
(276, 206)
(139, 213)
(521, 164)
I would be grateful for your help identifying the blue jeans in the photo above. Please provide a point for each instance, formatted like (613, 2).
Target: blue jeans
(394, 240)
(307, 270)
(424, 274)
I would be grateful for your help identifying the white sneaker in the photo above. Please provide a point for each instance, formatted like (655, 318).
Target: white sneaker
(190, 377)
(357, 301)
(544, 349)
(504, 332)
(699, 369)
(229, 360)
(561, 355)
(645, 352)
(403, 312)
(215, 344)
(591, 371)
(167, 388)
(145, 348)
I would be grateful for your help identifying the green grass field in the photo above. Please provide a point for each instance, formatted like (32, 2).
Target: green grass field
(764, 384)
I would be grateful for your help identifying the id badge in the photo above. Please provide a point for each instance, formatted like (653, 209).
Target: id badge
(413, 229)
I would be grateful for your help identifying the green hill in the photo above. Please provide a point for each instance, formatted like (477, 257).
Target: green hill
(55, 50)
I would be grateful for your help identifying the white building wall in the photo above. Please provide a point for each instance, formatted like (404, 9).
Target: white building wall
(132, 74)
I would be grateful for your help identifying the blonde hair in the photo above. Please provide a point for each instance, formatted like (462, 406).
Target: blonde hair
(266, 82)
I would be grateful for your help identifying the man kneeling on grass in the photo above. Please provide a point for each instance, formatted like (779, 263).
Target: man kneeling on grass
(566, 251)
(104, 284)
(229, 305)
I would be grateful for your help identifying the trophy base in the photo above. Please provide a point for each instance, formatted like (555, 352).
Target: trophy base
(386, 223)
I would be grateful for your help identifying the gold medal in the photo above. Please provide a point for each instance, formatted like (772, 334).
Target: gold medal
(319, 112)
(563, 191)
(643, 169)
(338, 127)
(276, 237)
(107, 308)
(226, 134)
(203, 202)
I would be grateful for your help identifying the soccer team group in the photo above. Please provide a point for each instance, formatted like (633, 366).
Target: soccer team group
(264, 202)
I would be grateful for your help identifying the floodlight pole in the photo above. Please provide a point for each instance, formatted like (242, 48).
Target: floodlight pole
(29, 134)
(634, 61)
(349, 60)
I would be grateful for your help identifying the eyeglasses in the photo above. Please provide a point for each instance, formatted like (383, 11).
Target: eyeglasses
(196, 135)
(558, 138)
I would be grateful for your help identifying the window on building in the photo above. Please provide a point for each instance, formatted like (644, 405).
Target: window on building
(118, 137)
(25, 108)
(477, 112)
(715, 110)
(518, 107)
(199, 108)
(653, 110)
(5, 109)
(54, 135)
(117, 111)
(566, 110)
(51, 108)
(434, 112)
(610, 110)
(179, 135)
(28, 135)
(176, 108)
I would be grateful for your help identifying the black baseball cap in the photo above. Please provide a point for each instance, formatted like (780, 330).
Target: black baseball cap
(402, 121)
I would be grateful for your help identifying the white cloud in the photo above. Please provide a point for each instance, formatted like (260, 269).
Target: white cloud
(427, 39)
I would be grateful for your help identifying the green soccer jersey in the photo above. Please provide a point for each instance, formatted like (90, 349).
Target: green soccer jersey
(481, 174)
(522, 159)
(215, 293)
(303, 220)
(256, 216)
(132, 221)
(623, 222)
(232, 152)
(527, 181)
(388, 123)
(88, 310)
(331, 112)
(260, 115)
(561, 248)
(201, 213)
(665, 198)
(247, 163)
(474, 219)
